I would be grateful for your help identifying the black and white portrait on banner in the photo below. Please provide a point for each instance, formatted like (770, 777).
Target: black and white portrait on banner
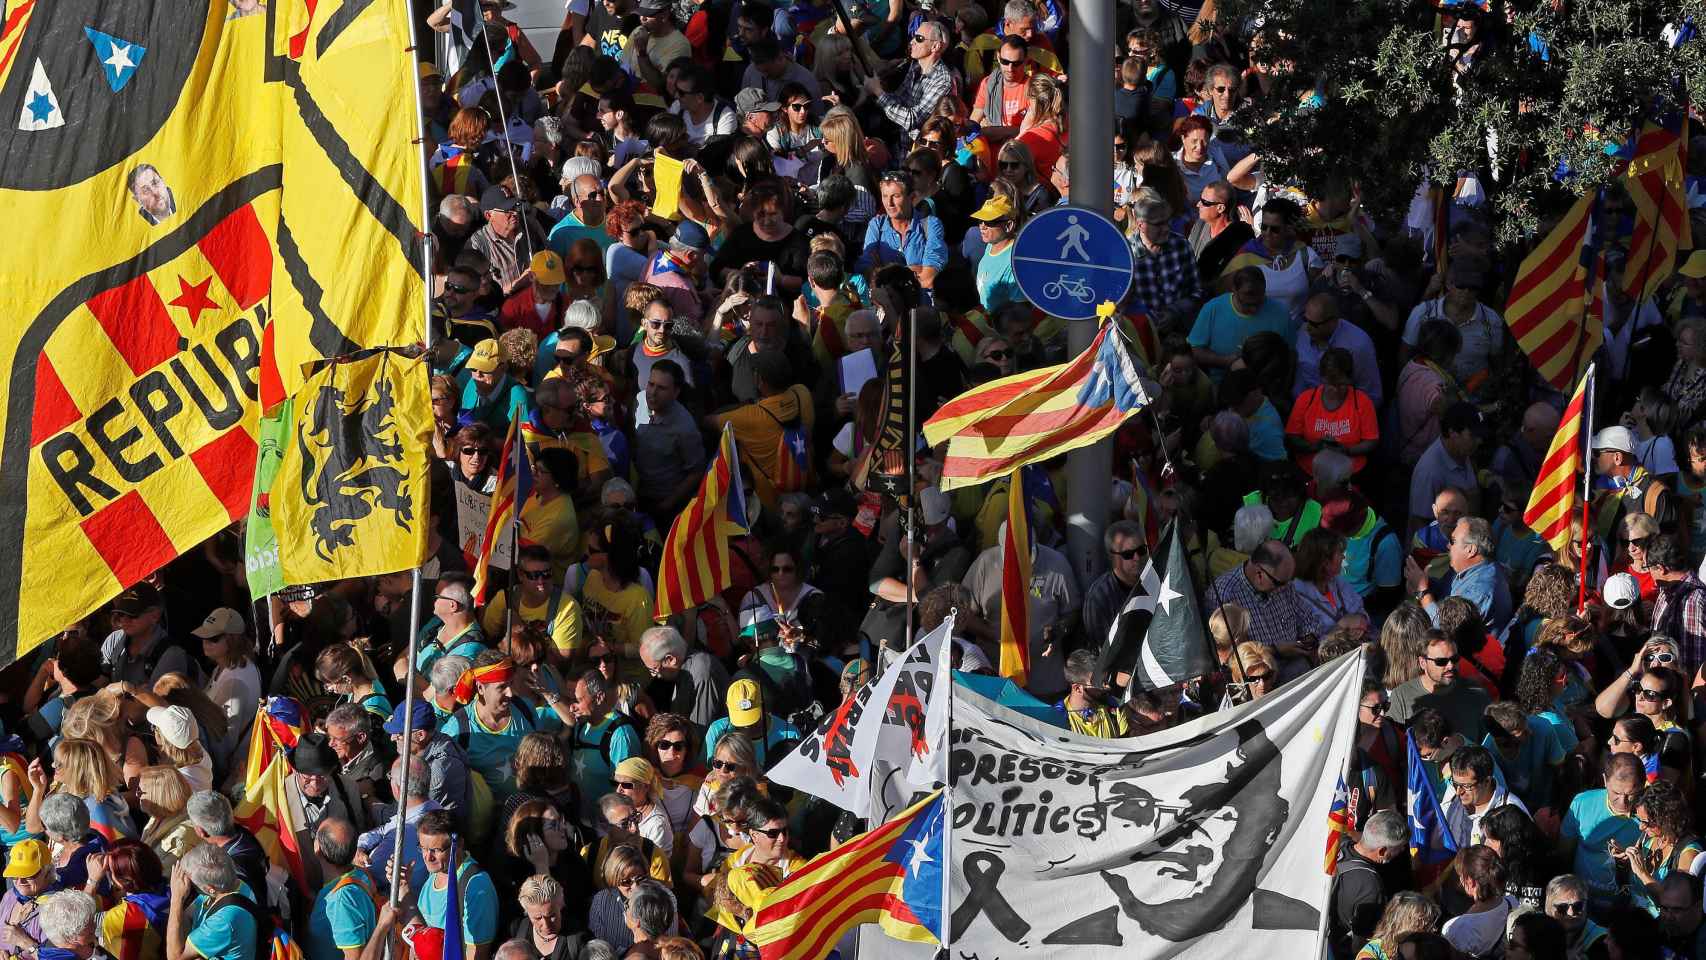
(1183, 844)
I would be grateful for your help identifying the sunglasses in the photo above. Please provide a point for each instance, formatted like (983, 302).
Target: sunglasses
(1441, 661)
(799, 107)
(1570, 908)
(627, 883)
(624, 785)
(671, 746)
(774, 834)
(476, 451)
(1262, 677)
(726, 766)
(1270, 575)
(920, 38)
(1012, 165)
(999, 354)
(1206, 202)
(1012, 63)
(536, 574)
(584, 268)
(1648, 693)
(1273, 228)
(1131, 554)
(1662, 657)
(1378, 709)
(457, 288)
(447, 599)
(1224, 89)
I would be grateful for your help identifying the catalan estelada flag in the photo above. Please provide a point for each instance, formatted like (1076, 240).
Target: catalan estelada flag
(1338, 825)
(695, 561)
(996, 427)
(515, 484)
(276, 729)
(891, 876)
(272, 811)
(1656, 187)
(1557, 306)
(1016, 586)
(1431, 844)
(1558, 488)
(135, 927)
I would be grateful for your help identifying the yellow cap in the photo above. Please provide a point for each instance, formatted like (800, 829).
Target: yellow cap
(638, 770)
(746, 703)
(547, 268)
(997, 207)
(26, 859)
(486, 357)
(429, 69)
(1695, 266)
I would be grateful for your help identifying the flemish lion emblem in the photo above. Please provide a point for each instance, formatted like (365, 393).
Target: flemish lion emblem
(352, 458)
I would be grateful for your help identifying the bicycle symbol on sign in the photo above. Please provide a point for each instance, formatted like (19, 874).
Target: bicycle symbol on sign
(1073, 287)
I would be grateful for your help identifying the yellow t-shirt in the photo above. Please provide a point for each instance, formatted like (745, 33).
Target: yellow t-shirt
(758, 434)
(617, 617)
(565, 628)
(555, 527)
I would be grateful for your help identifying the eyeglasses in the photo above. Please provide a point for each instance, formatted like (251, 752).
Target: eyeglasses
(1012, 63)
(1462, 785)
(1648, 693)
(1277, 582)
(774, 833)
(671, 746)
(475, 451)
(998, 354)
(440, 596)
(1012, 165)
(1262, 677)
(921, 38)
(1224, 89)
(726, 766)
(457, 288)
(1131, 554)
(536, 574)
(1662, 657)
(1570, 908)
(1441, 661)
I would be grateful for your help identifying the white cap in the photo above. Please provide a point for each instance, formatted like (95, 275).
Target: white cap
(220, 622)
(175, 725)
(1621, 591)
(934, 505)
(1615, 438)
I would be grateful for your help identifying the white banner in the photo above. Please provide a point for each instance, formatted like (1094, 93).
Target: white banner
(1204, 841)
(864, 749)
(472, 510)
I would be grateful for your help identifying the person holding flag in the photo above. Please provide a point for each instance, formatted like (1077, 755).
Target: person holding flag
(454, 916)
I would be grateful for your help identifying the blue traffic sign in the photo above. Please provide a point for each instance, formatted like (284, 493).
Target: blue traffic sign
(1069, 260)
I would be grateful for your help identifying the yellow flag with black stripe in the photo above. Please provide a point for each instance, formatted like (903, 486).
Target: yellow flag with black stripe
(350, 495)
(217, 195)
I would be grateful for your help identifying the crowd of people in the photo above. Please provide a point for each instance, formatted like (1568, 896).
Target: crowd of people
(728, 215)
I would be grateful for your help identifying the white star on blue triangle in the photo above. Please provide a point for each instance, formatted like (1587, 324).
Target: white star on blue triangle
(119, 58)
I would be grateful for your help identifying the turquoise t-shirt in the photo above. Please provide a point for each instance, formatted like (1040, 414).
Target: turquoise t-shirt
(1267, 435)
(469, 643)
(1591, 821)
(570, 228)
(1530, 773)
(1222, 329)
(479, 906)
(996, 283)
(377, 704)
(227, 933)
(341, 918)
(591, 773)
(492, 752)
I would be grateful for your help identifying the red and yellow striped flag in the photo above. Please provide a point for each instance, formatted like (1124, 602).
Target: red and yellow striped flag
(1655, 183)
(1016, 586)
(1556, 493)
(515, 484)
(272, 811)
(695, 562)
(1557, 305)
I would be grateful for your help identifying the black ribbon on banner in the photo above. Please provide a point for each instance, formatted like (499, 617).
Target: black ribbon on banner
(983, 871)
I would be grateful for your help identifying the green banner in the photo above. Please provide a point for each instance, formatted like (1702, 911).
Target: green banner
(260, 544)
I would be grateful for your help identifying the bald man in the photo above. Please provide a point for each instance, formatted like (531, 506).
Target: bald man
(1517, 461)
(342, 919)
(1432, 542)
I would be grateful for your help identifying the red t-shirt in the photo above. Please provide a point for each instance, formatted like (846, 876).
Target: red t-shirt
(1352, 423)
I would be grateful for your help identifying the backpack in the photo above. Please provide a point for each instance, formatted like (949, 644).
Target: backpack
(609, 734)
(793, 455)
(266, 930)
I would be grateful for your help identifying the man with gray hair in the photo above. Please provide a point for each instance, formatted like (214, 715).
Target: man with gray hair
(1473, 575)
(1128, 551)
(349, 732)
(1567, 902)
(442, 677)
(1164, 272)
(377, 845)
(458, 218)
(211, 916)
(343, 917)
(699, 680)
(926, 81)
(210, 814)
(517, 949)
(1358, 894)
(68, 926)
(651, 912)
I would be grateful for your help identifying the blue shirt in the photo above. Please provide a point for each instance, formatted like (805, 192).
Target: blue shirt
(996, 284)
(587, 763)
(507, 400)
(1483, 585)
(227, 933)
(342, 918)
(780, 732)
(1591, 823)
(569, 229)
(1267, 434)
(492, 752)
(479, 905)
(1221, 329)
(1365, 369)
(469, 643)
(1530, 774)
(922, 246)
(382, 842)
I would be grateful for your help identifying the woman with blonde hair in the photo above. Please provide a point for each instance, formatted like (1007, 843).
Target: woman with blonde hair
(1015, 163)
(1403, 637)
(1260, 668)
(1044, 128)
(344, 669)
(1406, 912)
(844, 141)
(177, 732)
(82, 768)
(164, 796)
(832, 65)
(100, 719)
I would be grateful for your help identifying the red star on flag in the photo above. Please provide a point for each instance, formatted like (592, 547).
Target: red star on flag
(193, 298)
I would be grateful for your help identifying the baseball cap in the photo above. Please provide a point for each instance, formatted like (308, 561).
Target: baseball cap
(933, 503)
(26, 858)
(137, 601)
(220, 622)
(746, 703)
(1695, 266)
(1621, 591)
(497, 198)
(423, 716)
(547, 267)
(752, 100)
(486, 357)
(997, 207)
(430, 69)
(835, 502)
(175, 725)
(690, 236)
(652, 8)
(1348, 245)
(1614, 438)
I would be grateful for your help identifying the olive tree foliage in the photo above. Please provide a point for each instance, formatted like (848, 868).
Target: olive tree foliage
(1541, 84)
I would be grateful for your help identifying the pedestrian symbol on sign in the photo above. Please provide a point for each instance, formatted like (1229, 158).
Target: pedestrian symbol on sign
(1074, 235)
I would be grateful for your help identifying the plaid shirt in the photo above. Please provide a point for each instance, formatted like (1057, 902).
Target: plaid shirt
(1273, 616)
(1687, 625)
(1161, 278)
(917, 97)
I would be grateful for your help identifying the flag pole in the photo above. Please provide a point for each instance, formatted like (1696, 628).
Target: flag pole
(415, 580)
(946, 934)
(908, 328)
(515, 539)
(1587, 486)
